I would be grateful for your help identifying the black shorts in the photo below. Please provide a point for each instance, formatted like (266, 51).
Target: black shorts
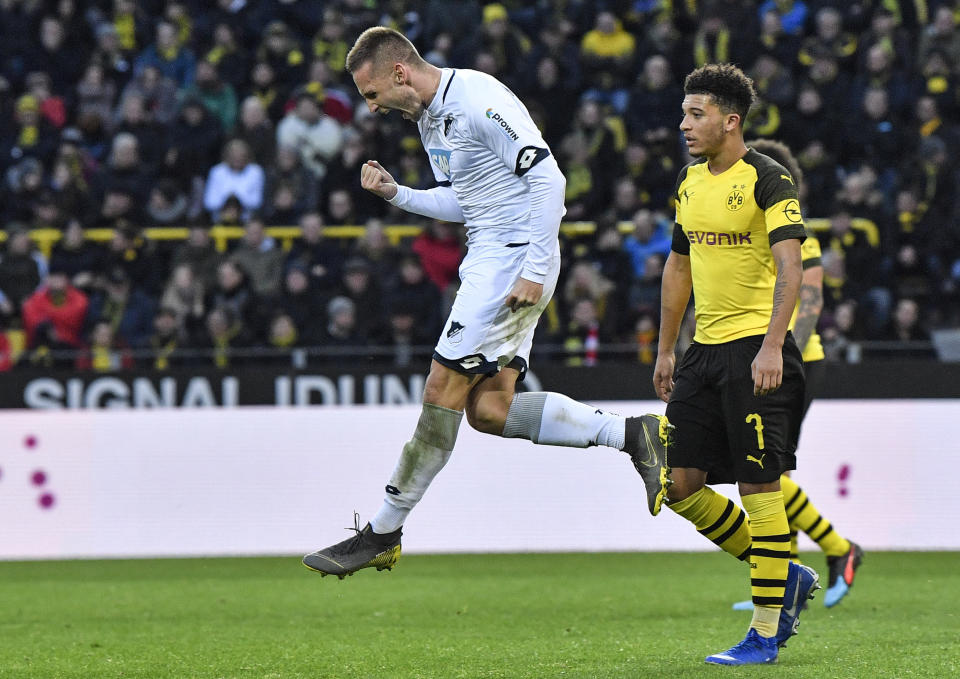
(813, 374)
(721, 427)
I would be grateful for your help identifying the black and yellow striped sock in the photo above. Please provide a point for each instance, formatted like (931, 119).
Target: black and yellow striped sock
(717, 518)
(769, 558)
(802, 515)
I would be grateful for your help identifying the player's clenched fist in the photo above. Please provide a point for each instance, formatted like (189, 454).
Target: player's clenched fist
(377, 180)
(524, 293)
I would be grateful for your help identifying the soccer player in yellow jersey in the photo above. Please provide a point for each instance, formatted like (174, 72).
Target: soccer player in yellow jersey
(736, 400)
(843, 556)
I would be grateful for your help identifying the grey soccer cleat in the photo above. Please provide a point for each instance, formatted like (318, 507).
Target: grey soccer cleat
(366, 549)
(647, 439)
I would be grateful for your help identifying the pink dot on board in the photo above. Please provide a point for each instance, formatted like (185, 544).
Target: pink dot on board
(46, 500)
(30, 441)
(38, 478)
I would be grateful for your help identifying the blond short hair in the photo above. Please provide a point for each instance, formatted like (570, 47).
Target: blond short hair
(381, 44)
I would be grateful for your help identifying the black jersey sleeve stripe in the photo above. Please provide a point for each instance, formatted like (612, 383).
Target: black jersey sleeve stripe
(812, 262)
(680, 178)
(787, 232)
(774, 183)
(680, 244)
(683, 175)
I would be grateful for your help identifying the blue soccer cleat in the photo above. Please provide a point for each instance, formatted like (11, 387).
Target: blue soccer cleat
(842, 570)
(743, 605)
(802, 582)
(753, 650)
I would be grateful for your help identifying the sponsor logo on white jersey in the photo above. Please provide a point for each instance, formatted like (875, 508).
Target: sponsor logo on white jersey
(504, 125)
(441, 158)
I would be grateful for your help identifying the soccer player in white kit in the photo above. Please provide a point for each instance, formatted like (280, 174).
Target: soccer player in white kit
(497, 176)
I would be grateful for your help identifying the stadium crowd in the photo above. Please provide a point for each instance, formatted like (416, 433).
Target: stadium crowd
(123, 115)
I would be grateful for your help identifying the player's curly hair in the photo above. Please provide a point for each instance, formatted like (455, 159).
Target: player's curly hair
(731, 88)
(381, 44)
(780, 152)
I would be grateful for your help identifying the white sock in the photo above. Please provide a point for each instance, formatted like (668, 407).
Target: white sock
(389, 518)
(557, 420)
(417, 467)
(422, 459)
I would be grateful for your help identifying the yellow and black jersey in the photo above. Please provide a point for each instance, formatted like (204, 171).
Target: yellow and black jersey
(811, 256)
(726, 223)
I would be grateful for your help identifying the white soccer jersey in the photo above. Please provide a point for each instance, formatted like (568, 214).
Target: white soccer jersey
(497, 176)
(481, 141)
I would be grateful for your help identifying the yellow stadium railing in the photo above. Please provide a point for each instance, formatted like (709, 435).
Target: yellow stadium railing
(223, 236)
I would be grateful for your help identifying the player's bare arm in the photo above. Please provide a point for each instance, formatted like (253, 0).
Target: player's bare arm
(377, 180)
(767, 367)
(811, 304)
(677, 283)
(524, 293)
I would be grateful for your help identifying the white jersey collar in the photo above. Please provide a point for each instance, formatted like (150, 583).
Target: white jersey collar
(446, 75)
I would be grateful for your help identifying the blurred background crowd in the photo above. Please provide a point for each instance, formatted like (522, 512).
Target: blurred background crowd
(136, 132)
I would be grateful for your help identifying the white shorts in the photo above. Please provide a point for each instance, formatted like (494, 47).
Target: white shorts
(482, 335)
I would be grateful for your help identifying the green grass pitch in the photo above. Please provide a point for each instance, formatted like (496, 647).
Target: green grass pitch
(472, 616)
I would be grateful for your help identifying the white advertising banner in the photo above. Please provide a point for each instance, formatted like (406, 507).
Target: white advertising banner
(286, 481)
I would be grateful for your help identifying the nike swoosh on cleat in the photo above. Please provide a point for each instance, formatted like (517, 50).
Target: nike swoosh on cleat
(848, 569)
(651, 461)
(321, 556)
(792, 611)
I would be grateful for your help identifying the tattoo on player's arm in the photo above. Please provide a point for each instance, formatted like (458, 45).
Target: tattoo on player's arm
(811, 301)
(778, 289)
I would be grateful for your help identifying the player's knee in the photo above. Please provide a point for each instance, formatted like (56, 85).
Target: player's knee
(437, 391)
(684, 485)
(488, 414)
(447, 388)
